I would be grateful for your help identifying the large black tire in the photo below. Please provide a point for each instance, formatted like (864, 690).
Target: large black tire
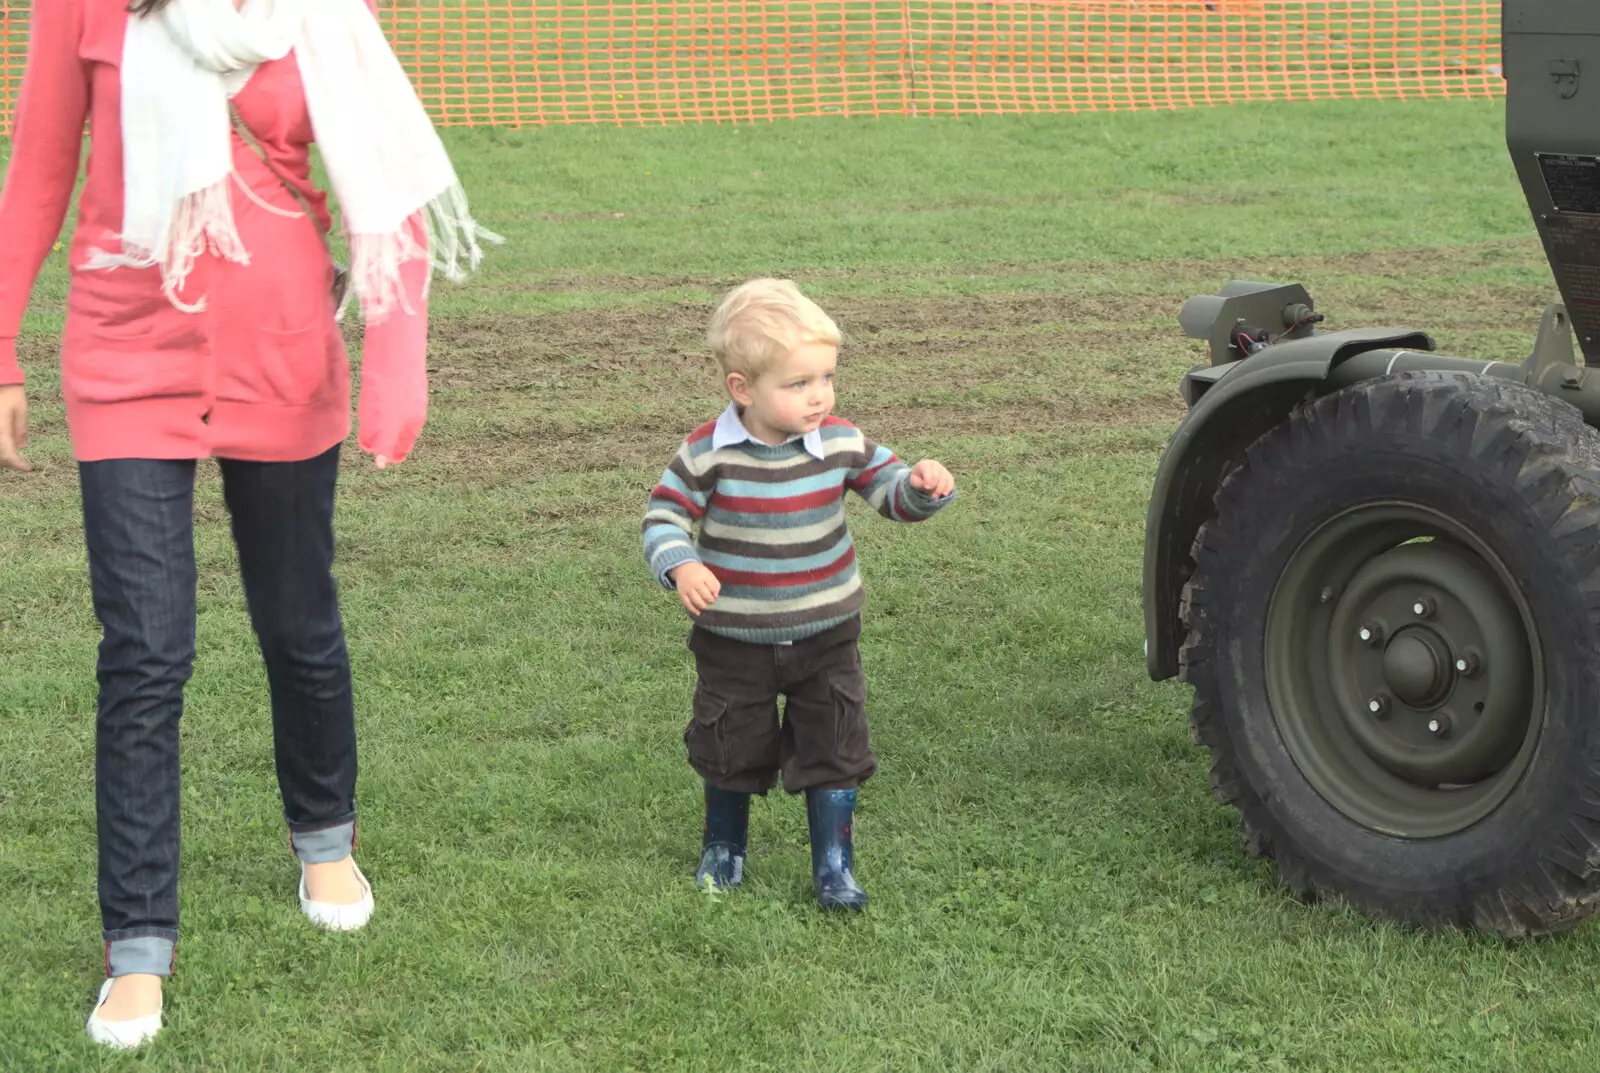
(1517, 475)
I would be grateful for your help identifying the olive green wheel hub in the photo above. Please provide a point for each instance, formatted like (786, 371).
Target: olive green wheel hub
(1403, 670)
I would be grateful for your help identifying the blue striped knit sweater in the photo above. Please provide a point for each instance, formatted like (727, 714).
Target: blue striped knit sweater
(772, 526)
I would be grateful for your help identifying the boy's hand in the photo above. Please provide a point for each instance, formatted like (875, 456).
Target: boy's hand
(932, 479)
(697, 586)
(13, 428)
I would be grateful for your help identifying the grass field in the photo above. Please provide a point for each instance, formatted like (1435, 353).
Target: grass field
(1052, 884)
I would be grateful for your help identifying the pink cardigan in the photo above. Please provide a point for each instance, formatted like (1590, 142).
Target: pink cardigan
(261, 374)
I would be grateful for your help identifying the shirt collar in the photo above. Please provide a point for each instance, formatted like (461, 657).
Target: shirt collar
(730, 430)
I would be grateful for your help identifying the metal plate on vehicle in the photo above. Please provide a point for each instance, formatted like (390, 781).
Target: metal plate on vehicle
(1572, 181)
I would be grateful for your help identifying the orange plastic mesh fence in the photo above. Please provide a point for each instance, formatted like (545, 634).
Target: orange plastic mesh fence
(514, 62)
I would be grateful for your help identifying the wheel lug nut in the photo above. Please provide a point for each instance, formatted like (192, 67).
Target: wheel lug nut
(1423, 608)
(1439, 726)
(1468, 664)
(1379, 705)
(1371, 634)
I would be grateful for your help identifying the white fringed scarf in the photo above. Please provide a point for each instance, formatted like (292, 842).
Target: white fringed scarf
(384, 160)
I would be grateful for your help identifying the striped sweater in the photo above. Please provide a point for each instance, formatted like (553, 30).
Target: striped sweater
(772, 524)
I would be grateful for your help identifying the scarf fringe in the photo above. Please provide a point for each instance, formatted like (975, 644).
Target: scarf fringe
(201, 222)
(396, 187)
(453, 237)
(397, 192)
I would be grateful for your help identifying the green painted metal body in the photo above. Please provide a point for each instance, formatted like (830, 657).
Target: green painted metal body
(1231, 405)
(1551, 61)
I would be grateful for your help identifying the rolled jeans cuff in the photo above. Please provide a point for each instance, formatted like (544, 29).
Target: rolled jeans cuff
(324, 845)
(141, 953)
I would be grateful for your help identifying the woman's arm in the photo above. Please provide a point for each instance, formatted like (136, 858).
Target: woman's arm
(394, 362)
(394, 365)
(46, 147)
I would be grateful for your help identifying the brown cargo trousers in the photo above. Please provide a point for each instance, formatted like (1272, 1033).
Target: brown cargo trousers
(736, 740)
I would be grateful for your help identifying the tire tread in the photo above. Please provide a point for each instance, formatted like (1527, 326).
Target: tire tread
(1542, 447)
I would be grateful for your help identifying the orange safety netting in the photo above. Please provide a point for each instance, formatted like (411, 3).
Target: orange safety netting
(514, 62)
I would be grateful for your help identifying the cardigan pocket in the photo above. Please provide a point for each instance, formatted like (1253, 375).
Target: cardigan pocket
(109, 369)
(124, 351)
(286, 368)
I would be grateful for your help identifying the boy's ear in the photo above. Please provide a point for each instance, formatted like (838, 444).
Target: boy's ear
(739, 388)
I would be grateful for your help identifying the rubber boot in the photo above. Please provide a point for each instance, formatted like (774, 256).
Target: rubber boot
(722, 846)
(830, 814)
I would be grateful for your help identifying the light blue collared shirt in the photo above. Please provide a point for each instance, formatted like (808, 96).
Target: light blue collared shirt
(730, 430)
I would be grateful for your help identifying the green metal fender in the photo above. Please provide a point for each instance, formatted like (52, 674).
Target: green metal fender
(1230, 407)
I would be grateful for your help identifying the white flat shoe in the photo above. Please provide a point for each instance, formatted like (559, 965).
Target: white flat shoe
(123, 1035)
(338, 917)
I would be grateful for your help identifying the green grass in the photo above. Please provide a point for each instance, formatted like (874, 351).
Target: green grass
(1053, 886)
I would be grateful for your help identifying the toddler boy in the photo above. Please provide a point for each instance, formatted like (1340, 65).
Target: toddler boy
(771, 580)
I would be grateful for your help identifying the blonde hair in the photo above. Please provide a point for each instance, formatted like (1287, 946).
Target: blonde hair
(761, 321)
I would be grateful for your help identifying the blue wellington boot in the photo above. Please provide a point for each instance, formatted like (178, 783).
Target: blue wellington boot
(830, 814)
(722, 847)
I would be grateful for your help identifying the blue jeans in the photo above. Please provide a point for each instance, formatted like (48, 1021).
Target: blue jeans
(139, 525)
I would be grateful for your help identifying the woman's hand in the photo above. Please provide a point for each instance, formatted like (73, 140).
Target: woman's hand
(13, 428)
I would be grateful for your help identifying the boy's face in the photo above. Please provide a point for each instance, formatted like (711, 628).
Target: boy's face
(791, 398)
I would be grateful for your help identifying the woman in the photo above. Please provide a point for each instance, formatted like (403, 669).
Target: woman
(201, 323)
